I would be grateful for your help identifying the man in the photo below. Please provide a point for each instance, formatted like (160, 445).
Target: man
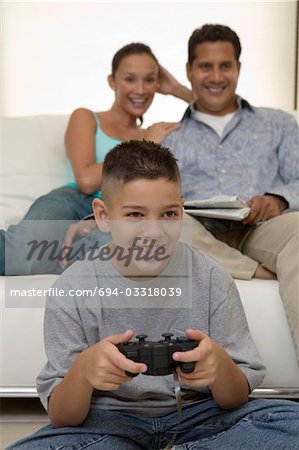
(226, 146)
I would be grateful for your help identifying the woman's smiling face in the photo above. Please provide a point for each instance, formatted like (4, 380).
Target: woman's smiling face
(135, 83)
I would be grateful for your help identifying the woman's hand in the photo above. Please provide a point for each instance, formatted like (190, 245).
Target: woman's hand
(74, 231)
(169, 85)
(158, 131)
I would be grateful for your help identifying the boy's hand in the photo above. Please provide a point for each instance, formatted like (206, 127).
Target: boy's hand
(207, 357)
(103, 366)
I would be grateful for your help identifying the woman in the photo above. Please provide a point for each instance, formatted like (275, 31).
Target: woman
(136, 77)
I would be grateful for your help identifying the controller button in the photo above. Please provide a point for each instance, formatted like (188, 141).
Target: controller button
(187, 367)
(182, 339)
(132, 354)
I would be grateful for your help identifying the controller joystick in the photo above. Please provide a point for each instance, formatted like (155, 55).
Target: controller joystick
(158, 355)
(141, 337)
(167, 336)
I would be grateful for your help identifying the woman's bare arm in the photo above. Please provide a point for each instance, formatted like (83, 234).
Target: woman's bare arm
(80, 149)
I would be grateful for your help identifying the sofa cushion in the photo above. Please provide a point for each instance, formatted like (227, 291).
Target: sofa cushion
(261, 301)
(270, 330)
(34, 162)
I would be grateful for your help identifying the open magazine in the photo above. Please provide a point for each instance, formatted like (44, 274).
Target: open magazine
(218, 207)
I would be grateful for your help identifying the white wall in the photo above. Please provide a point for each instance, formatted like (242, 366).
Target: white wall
(56, 55)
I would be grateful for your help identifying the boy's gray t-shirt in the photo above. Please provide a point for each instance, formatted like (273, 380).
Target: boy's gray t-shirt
(91, 300)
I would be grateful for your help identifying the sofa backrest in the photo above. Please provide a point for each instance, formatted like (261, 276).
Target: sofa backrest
(33, 161)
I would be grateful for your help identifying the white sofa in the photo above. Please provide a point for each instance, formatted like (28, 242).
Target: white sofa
(33, 164)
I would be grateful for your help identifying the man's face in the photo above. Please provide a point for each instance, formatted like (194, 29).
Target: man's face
(214, 75)
(145, 215)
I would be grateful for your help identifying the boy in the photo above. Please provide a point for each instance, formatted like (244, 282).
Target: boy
(91, 400)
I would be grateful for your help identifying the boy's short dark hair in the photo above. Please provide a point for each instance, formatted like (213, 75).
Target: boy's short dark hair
(213, 33)
(133, 159)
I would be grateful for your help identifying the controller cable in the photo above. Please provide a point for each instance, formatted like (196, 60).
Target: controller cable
(178, 396)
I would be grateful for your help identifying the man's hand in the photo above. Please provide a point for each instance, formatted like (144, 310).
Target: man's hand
(264, 207)
(103, 366)
(74, 231)
(264, 274)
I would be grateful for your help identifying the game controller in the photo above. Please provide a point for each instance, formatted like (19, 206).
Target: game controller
(158, 355)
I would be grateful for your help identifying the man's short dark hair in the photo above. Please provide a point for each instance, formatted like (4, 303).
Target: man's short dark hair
(132, 160)
(213, 33)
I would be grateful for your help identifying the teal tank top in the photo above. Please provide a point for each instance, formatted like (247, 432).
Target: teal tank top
(103, 144)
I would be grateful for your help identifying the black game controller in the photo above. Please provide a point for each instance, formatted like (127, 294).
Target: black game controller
(158, 355)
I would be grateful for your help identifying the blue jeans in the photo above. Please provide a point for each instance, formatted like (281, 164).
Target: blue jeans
(45, 222)
(259, 424)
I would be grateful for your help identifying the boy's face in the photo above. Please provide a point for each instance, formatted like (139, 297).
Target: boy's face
(144, 215)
